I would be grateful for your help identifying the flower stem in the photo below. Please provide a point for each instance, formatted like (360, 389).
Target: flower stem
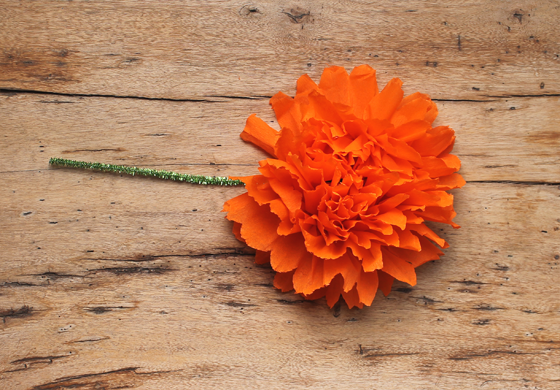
(160, 174)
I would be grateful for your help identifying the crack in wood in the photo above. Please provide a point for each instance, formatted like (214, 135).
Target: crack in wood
(22, 312)
(103, 380)
(56, 101)
(390, 354)
(225, 286)
(87, 95)
(450, 309)
(55, 275)
(39, 359)
(467, 282)
(290, 302)
(485, 307)
(147, 258)
(540, 95)
(9, 91)
(239, 304)
(110, 380)
(133, 270)
(484, 321)
(490, 353)
(298, 15)
(34, 361)
(500, 166)
(94, 150)
(500, 267)
(426, 300)
(527, 183)
(91, 340)
(17, 284)
(236, 97)
(105, 309)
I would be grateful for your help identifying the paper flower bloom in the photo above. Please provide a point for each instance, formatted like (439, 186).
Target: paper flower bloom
(341, 209)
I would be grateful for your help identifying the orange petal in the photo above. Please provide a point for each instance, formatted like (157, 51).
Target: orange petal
(385, 282)
(429, 233)
(412, 218)
(351, 273)
(411, 131)
(352, 298)
(393, 217)
(259, 225)
(335, 85)
(435, 141)
(439, 214)
(279, 208)
(313, 198)
(237, 231)
(363, 87)
(305, 85)
(392, 202)
(449, 182)
(334, 290)
(282, 185)
(395, 164)
(283, 281)
(407, 240)
(260, 134)
(374, 262)
(429, 252)
(287, 143)
(444, 166)
(303, 276)
(308, 277)
(288, 225)
(451, 161)
(429, 198)
(320, 108)
(417, 106)
(371, 258)
(367, 287)
(259, 188)
(318, 246)
(262, 257)
(288, 252)
(320, 293)
(398, 149)
(347, 266)
(384, 104)
(288, 113)
(398, 268)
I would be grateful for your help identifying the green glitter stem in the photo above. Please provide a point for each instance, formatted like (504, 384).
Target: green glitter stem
(160, 174)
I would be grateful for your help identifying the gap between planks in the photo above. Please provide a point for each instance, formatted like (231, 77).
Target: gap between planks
(208, 98)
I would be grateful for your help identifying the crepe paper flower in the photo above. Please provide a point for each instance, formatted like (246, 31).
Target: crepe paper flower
(340, 209)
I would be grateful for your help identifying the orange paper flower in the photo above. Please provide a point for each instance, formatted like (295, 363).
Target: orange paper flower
(341, 209)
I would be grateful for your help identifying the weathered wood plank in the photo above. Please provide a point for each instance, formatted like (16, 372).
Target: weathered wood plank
(118, 282)
(202, 49)
(486, 315)
(514, 139)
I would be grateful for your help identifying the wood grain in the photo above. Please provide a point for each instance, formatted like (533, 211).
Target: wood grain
(515, 139)
(467, 49)
(486, 314)
(110, 282)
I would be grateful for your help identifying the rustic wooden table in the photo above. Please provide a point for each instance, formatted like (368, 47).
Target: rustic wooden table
(113, 282)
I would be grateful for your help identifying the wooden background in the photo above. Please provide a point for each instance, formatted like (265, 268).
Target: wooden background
(110, 282)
